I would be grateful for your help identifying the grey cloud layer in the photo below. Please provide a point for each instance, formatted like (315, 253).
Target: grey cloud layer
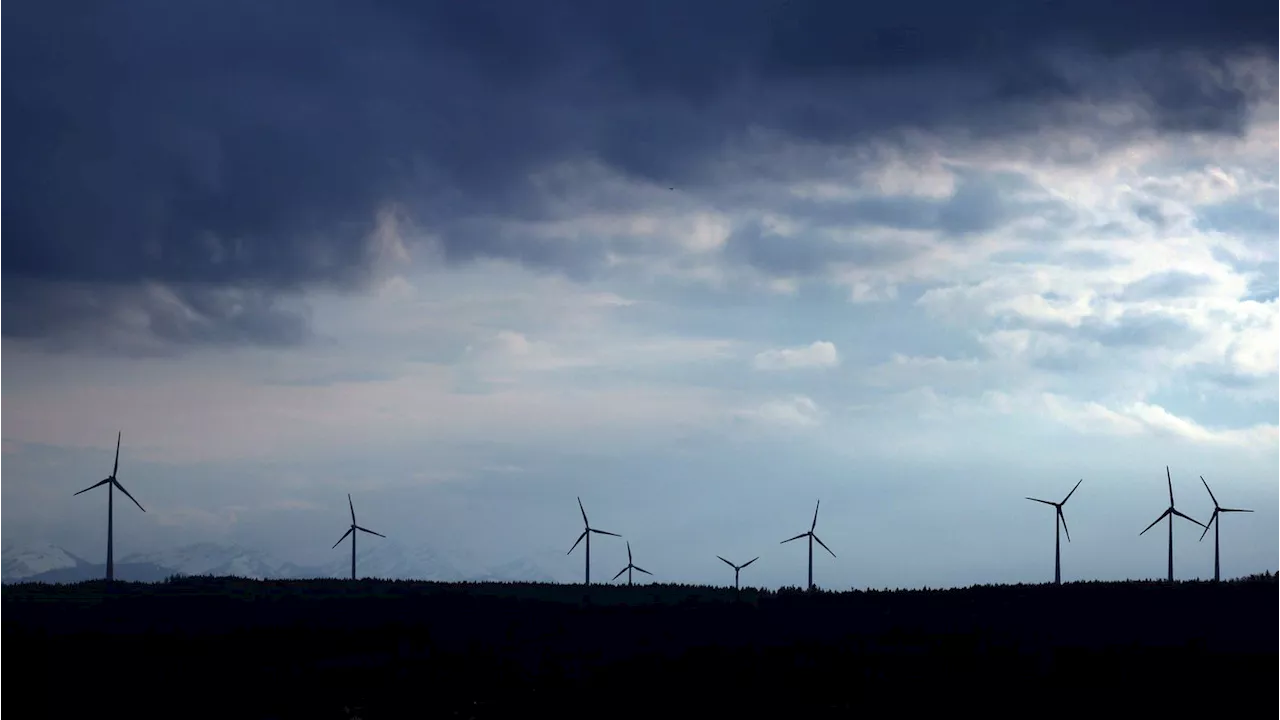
(250, 145)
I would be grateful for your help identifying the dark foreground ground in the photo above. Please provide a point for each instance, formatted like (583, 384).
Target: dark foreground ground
(244, 649)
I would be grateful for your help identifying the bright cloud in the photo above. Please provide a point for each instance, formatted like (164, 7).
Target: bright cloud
(817, 354)
(796, 411)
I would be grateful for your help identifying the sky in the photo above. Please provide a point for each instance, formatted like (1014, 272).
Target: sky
(700, 263)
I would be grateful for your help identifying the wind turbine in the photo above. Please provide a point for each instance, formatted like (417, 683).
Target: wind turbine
(352, 532)
(1058, 519)
(738, 568)
(1217, 564)
(586, 533)
(111, 482)
(630, 566)
(811, 537)
(1170, 512)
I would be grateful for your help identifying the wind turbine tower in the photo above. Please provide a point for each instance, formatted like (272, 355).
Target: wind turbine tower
(586, 533)
(112, 484)
(630, 566)
(812, 537)
(353, 531)
(1216, 521)
(1169, 513)
(1059, 525)
(738, 569)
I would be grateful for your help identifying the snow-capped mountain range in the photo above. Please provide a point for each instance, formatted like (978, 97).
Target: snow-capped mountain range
(21, 562)
(215, 559)
(391, 560)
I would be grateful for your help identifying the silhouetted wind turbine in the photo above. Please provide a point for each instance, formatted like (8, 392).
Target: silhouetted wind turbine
(111, 482)
(630, 566)
(352, 532)
(1170, 512)
(1217, 564)
(738, 568)
(587, 534)
(811, 537)
(1058, 518)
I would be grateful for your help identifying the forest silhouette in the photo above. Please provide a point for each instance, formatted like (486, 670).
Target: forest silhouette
(309, 648)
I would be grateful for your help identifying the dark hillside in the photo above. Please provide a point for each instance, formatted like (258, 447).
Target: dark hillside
(307, 648)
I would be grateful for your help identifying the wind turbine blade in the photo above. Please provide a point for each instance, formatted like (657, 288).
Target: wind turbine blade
(1046, 502)
(116, 466)
(804, 534)
(575, 544)
(726, 562)
(615, 577)
(1063, 518)
(1073, 491)
(1233, 510)
(1212, 517)
(1206, 487)
(1169, 477)
(584, 513)
(126, 492)
(824, 546)
(353, 509)
(640, 569)
(750, 561)
(628, 552)
(370, 531)
(604, 532)
(1153, 522)
(344, 537)
(815, 517)
(100, 483)
(1184, 516)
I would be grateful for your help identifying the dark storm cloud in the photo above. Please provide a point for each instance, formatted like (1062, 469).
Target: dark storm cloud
(1138, 329)
(1264, 274)
(150, 319)
(241, 143)
(1086, 259)
(807, 254)
(981, 202)
(1163, 286)
(1132, 329)
(1255, 218)
(1151, 214)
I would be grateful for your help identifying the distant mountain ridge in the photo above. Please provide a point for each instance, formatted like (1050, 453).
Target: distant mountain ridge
(128, 572)
(388, 560)
(29, 560)
(215, 559)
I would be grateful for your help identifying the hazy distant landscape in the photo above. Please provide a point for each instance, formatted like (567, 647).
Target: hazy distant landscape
(49, 563)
